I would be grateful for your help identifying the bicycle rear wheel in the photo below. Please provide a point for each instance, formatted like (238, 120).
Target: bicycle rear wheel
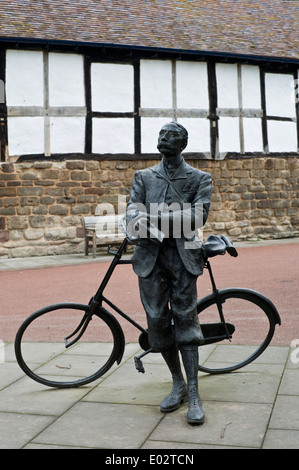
(41, 352)
(253, 318)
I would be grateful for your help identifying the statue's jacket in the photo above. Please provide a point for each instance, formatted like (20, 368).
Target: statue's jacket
(188, 189)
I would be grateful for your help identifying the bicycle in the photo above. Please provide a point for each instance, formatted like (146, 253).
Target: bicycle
(53, 358)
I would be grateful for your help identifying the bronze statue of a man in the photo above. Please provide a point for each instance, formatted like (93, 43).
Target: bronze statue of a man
(168, 203)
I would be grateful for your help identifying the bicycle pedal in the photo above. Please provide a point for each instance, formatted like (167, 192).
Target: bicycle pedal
(139, 365)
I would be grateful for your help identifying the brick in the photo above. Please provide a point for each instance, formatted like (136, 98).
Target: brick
(37, 221)
(75, 165)
(80, 232)
(4, 236)
(47, 200)
(11, 201)
(30, 191)
(8, 176)
(8, 211)
(50, 174)
(80, 209)
(59, 210)
(33, 234)
(42, 165)
(80, 175)
(29, 201)
(30, 175)
(234, 164)
(55, 233)
(92, 165)
(8, 192)
(54, 191)
(17, 223)
(7, 167)
(98, 191)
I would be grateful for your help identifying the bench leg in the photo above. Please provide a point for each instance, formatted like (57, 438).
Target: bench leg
(86, 245)
(94, 244)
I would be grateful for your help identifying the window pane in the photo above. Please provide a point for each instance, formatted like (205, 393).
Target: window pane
(251, 90)
(280, 95)
(282, 136)
(25, 135)
(156, 84)
(229, 134)
(66, 80)
(253, 138)
(112, 87)
(192, 85)
(24, 78)
(227, 85)
(198, 134)
(67, 134)
(113, 135)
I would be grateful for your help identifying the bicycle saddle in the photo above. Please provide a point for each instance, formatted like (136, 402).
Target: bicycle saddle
(215, 245)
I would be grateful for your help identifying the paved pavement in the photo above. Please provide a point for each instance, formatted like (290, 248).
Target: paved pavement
(256, 407)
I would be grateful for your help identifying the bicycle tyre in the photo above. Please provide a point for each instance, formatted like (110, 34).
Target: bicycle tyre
(40, 345)
(254, 318)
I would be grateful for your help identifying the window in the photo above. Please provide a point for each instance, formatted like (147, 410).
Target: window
(45, 102)
(112, 97)
(280, 112)
(178, 91)
(239, 108)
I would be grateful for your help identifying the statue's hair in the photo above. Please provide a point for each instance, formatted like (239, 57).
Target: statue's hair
(182, 130)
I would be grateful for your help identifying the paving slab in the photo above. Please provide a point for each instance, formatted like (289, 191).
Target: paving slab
(102, 425)
(256, 407)
(17, 429)
(281, 439)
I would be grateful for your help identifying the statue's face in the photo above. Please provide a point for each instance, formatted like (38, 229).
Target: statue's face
(170, 141)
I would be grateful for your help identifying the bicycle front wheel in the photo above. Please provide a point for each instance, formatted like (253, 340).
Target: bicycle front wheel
(41, 352)
(253, 319)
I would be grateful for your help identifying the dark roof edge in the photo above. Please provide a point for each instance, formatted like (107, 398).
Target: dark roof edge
(149, 49)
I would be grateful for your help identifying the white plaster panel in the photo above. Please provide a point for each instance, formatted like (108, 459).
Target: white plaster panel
(150, 128)
(24, 78)
(156, 84)
(66, 80)
(280, 95)
(229, 134)
(198, 134)
(282, 136)
(112, 87)
(253, 138)
(113, 135)
(25, 135)
(67, 134)
(251, 88)
(227, 85)
(192, 85)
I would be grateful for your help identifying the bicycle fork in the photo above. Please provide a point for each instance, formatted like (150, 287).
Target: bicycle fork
(94, 304)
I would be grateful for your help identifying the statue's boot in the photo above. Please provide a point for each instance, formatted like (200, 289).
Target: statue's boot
(179, 391)
(195, 413)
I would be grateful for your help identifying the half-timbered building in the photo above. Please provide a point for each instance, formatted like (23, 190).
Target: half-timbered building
(86, 86)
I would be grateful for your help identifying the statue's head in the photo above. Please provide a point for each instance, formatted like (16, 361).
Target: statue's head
(172, 140)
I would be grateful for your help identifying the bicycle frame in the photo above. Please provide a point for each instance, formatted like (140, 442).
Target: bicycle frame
(98, 299)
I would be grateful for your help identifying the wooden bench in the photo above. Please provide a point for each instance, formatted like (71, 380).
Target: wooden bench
(102, 230)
